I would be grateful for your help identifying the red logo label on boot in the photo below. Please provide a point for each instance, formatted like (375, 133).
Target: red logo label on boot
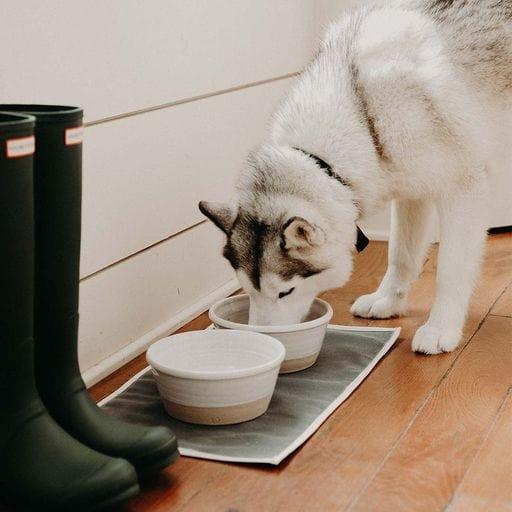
(74, 136)
(22, 146)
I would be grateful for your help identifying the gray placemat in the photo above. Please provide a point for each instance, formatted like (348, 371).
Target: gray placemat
(301, 402)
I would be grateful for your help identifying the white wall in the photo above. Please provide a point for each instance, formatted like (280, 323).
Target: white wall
(175, 94)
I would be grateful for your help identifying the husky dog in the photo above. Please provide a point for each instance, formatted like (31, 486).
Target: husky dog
(409, 102)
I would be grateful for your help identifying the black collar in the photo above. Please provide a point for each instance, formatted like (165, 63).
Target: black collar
(326, 167)
(362, 239)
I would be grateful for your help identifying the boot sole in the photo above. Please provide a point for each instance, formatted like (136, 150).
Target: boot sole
(18, 504)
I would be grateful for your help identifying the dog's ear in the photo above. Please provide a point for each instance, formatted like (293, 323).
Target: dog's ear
(222, 215)
(298, 233)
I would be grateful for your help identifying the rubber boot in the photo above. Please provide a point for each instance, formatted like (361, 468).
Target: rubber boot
(41, 466)
(58, 176)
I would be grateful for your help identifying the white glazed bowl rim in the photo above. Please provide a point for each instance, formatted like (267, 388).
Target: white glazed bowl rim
(168, 369)
(268, 329)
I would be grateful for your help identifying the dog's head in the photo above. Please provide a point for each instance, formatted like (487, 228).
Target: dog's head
(284, 249)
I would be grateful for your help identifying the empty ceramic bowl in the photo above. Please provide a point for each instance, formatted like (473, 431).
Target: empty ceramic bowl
(216, 377)
(303, 341)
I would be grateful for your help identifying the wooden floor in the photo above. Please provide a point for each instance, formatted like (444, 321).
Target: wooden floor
(421, 433)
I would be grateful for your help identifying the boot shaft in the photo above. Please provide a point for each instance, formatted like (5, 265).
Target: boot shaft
(58, 199)
(16, 262)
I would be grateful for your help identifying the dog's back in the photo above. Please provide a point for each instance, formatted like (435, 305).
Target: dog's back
(478, 34)
(429, 80)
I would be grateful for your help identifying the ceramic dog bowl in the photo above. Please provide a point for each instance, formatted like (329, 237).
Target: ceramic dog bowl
(216, 377)
(303, 341)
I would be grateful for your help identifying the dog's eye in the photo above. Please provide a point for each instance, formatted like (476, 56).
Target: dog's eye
(284, 294)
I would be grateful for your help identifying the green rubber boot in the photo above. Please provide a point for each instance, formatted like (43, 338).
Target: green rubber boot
(41, 466)
(58, 176)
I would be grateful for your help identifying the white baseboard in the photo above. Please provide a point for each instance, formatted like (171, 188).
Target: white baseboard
(137, 347)
(380, 235)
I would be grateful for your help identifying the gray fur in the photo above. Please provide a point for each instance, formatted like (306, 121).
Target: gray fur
(479, 33)
(366, 114)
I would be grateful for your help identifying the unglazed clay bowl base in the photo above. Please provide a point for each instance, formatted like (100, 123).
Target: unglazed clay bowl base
(218, 415)
(296, 365)
(303, 341)
(216, 377)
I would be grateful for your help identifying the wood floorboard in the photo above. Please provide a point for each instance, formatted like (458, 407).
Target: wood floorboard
(470, 504)
(503, 306)
(444, 438)
(489, 478)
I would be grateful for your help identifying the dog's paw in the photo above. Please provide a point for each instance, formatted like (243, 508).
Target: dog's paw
(376, 305)
(435, 340)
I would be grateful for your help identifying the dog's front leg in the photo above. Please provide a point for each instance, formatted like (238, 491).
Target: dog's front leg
(463, 220)
(408, 243)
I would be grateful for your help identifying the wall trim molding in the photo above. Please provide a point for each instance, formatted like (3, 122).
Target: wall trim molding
(138, 346)
(183, 101)
(379, 235)
(382, 235)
